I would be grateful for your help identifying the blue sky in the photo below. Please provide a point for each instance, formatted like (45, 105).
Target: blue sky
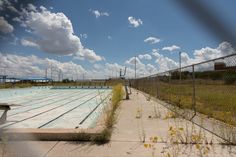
(111, 36)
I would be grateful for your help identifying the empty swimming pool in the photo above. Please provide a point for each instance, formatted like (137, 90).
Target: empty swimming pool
(60, 107)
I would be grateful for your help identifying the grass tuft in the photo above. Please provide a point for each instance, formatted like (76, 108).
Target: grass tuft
(117, 96)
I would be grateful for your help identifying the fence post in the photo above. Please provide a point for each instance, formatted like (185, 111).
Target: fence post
(157, 88)
(169, 87)
(194, 92)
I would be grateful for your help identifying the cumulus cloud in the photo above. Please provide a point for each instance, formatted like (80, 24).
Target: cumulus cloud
(54, 34)
(152, 40)
(135, 22)
(151, 68)
(164, 63)
(99, 13)
(7, 5)
(171, 48)
(145, 56)
(31, 7)
(141, 68)
(208, 53)
(22, 66)
(26, 42)
(5, 27)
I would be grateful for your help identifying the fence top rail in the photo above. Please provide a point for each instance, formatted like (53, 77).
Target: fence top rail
(168, 71)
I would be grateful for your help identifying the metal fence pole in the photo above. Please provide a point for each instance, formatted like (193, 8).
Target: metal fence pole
(194, 94)
(157, 88)
(169, 87)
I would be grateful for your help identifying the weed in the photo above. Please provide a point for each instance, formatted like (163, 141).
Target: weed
(117, 96)
(138, 113)
(170, 114)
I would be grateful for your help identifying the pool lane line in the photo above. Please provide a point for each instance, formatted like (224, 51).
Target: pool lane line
(56, 95)
(36, 100)
(81, 122)
(37, 106)
(32, 95)
(20, 96)
(43, 112)
(28, 100)
(71, 96)
(68, 111)
(28, 97)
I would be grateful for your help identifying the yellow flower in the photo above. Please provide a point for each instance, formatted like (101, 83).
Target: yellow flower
(197, 146)
(145, 145)
(181, 129)
(155, 139)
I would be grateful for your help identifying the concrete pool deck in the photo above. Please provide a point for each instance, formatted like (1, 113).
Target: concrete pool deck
(138, 120)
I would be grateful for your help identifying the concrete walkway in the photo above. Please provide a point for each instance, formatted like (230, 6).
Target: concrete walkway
(144, 128)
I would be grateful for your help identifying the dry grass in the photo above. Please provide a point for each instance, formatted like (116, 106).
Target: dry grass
(117, 96)
(214, 100)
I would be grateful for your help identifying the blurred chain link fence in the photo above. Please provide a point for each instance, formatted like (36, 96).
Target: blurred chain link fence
(208, 88)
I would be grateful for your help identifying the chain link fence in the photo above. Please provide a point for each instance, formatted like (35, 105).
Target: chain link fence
(208, 88)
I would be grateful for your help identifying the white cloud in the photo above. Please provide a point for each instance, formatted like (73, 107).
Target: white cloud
(152, 40)
(17, 19)
(208, 53)
(163, 63)
(145, 56)
(109, 37)
(54, 34)
(12, 8)
(106, 70)
(151, 68)
(99, 13)
(171, 48)
(135, 22)
(85, 36)
(97, 66)
(7, 5)
(22, 66)
(26, 42)
(31, 7)
(5, 27)
(141, 68)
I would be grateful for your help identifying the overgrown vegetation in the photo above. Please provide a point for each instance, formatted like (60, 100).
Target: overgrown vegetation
(214, 99)
(117, 96)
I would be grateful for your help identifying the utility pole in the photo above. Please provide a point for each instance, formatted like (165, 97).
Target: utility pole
(58, 75)
(46, 72)
(135, 68)
(51, 70)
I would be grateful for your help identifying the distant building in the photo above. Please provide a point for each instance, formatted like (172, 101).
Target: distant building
(219, 66)
(222, 66)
